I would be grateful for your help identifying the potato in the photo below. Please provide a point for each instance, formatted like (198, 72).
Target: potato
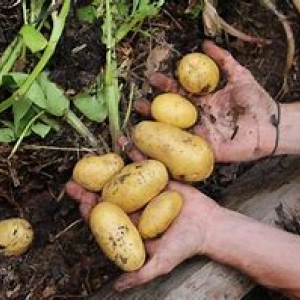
(159, 214)
(173, 109)
(136, 185)
(117, 236)
(93, 171)
(198, 73)
(188, 157)
(16, 235)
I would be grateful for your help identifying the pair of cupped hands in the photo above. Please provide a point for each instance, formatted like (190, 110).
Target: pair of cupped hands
(235, 121)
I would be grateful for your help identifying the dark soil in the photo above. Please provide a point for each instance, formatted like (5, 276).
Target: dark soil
(64, 261)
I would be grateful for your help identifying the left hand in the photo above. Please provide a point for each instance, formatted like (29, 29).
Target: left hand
(185, 238)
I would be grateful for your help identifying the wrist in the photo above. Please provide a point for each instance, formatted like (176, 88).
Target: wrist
(214, 222)
(289, 133)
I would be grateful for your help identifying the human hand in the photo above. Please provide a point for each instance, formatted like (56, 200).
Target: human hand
(235, 120)
(185, 238)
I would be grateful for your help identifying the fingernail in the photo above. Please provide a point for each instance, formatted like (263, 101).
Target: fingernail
(121, 287)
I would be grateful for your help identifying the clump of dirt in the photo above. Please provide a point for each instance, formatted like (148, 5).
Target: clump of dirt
(10, 21)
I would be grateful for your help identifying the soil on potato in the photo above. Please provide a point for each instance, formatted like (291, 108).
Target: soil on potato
(64, 260)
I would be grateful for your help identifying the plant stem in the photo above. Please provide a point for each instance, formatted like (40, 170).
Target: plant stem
(19, 141)
(9, 56)
(58, 26)
(77, 124)
(111, 82)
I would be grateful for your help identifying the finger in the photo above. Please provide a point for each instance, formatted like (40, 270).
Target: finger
(223, 58)
(163, 83)
(135, 217)
(78, 193)
(142, 107)
(151, 246)
(148, 272)
(130, 150)
(86, 199)
(86, 208)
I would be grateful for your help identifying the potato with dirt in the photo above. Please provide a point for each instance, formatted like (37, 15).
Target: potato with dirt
(187, 156)
(16, 236)
(159, 214)
(93, 171)
(136, 185)
(117, 236)
(198, 73)
(174, 109)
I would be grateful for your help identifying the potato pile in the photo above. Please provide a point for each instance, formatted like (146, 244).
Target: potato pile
(173, 152)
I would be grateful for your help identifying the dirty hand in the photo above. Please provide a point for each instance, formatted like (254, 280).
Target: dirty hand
(237, 119)
(185, 238)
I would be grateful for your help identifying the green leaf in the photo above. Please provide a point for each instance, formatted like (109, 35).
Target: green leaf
(34, 94)
(41, 129)
(22, 123)
(7, 135)
(56, 102)
(33, 39)
(92, 107)
(20, 109)
(87, 14)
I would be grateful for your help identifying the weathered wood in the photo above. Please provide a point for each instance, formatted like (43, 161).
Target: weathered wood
(256, 194)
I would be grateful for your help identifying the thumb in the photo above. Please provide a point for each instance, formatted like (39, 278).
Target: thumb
(223, 58)
(149, 271)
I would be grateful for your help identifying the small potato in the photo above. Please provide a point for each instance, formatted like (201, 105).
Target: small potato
(93, 171)
(117, 236)
(16, 235)
(159, 214)
(173, 109)
(188, 157)
(198, 73)
(136, 185)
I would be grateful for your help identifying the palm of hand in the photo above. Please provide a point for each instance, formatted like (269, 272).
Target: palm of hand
(236, 120)
(184, 239)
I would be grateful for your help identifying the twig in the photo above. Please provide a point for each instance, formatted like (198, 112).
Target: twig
(65, 230)
(54, 148)
(297, 5)
(214, 24)
(290, 43)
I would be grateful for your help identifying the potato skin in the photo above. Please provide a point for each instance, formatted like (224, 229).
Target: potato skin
(16, 235)
(93, 171)
(175, 110)
(117, 236)
(136, 185)
(188, 157)
(159, 214)
(198, 73)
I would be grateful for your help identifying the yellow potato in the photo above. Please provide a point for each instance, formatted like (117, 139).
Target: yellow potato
(93, 171)
(136, 185)
(198, 73)
(188, 157)
(159, 214)
(117, 236)
(16, 235)
(173, 109)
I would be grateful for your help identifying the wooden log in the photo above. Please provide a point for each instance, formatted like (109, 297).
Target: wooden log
(257, 194)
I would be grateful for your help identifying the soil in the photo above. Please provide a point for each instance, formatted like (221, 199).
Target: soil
(64, 262)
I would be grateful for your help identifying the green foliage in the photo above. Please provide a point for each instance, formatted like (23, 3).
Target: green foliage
(33, 38)
(196, 8)
(92, 103)
(87, 14)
